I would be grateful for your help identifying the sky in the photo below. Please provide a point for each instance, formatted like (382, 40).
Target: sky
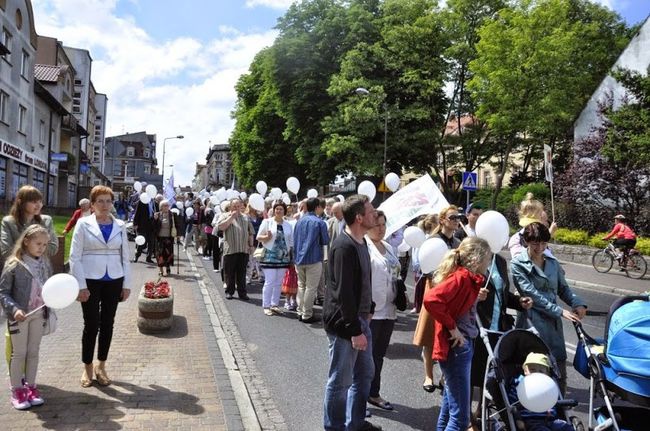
(170, 67)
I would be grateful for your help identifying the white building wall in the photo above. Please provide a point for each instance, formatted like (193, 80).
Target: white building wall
(635, 57)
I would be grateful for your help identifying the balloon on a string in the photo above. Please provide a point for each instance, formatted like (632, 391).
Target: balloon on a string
(137, 186)
(312, 193)
(145, 198)
(188, 203)
(537, 392)
(221, 194)
(341, 198)
(176, 211)
(243, 196)
(140, 240)
(224, 205)
(261, 187)
(232, 194)
(293, 185)
(286, 200)
(414, 236)
(189, 212)
(256, 201)
(392, 181)
(276, 193)
(179, 205)
(60, 290)
(151, 190)
(177, 190)
(403, 247)
(367, 188)
(214, 200)
(431, 253)
(493, 227)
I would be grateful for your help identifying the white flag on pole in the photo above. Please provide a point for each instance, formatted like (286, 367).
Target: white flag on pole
(169, 192)
(548, 164)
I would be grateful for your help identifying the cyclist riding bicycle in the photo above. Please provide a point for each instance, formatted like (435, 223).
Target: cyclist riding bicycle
(625, 237)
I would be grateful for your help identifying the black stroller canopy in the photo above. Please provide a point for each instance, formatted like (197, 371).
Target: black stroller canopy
(513, 347)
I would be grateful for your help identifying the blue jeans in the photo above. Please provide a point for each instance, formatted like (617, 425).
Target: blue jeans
(348, 384)
(455, 407)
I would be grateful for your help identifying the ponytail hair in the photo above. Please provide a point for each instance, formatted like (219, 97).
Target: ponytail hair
(469, 254)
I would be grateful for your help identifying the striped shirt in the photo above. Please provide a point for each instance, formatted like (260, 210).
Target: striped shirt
(236, 236)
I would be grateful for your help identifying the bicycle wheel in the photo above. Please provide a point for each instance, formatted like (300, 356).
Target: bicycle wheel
(602, 261)
(636, 266)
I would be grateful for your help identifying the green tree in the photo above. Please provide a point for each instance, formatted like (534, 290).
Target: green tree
(537, 64)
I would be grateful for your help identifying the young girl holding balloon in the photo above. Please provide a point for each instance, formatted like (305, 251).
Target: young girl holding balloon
(21, 285)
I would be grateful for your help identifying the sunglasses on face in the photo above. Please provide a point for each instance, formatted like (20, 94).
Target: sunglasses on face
(454, 217)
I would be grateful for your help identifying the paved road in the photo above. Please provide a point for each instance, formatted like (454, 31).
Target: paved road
(292, 359)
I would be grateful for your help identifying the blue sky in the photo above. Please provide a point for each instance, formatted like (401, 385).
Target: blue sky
(169, 67)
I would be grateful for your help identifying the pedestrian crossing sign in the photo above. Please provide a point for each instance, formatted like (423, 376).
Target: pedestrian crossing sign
(382, 187)
(469, 181)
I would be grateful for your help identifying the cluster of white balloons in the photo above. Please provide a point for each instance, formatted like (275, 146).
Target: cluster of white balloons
(367, 188)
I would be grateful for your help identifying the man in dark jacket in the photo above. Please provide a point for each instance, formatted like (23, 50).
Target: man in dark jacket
(143, 225)
(347, 312)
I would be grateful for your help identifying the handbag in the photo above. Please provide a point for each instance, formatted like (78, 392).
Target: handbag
(208, 229)
(49, 326)
(401, 301)
(259, 252)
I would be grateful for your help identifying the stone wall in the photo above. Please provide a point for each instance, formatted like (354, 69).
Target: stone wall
(575, 253)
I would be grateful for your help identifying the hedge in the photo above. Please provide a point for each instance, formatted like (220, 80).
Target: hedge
(581, 237)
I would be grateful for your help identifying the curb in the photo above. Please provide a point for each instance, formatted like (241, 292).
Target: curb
(601, 288)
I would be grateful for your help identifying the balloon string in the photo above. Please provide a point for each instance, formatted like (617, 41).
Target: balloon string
(487, 279)
(34, 311)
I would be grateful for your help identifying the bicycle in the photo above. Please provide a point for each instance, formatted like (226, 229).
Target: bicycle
(633, 263)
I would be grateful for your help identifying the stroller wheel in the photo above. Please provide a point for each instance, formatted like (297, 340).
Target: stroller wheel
(577, 423)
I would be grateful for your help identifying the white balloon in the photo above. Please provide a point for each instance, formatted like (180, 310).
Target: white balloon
(431, 253)
(137, 186)
(177, 190)
(188, 203)
(312, 193)
(151, 190)
(232, 194)
(286, 200)
(538, 392)
(403, 247)
(214, 200)
(261, 187)
(493, 227)
(139, 240)
(414, 236)
(243, 196)
(221, 194)
(224, 205)
(176, 211)
(60, 290)
(276, 193)
(341, 198)
(256, 201)
(145, 198)
(293, 185)
(189, 212)
(367, 188)
(179, 205)
(392, 181)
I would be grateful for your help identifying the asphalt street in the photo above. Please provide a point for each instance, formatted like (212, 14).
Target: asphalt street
(293, 360)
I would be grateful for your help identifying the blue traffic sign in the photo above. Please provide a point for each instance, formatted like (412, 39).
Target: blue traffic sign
(470, 181)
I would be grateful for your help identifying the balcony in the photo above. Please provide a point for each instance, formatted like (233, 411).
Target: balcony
(69, 123)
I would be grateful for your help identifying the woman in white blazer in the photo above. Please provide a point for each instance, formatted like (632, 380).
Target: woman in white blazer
(99, 260)
(276, 235)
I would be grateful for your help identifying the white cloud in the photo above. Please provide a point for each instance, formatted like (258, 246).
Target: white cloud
(275, 4)
(179, 86)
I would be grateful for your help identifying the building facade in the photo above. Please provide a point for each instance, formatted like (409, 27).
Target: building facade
(129, 158)
(219, 168)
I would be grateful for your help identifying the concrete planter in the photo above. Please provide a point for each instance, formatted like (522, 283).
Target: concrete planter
(155, 315)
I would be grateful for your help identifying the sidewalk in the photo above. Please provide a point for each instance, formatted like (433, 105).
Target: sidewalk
(174, 380)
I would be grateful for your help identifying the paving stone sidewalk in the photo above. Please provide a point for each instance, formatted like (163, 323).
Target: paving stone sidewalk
(174, 380)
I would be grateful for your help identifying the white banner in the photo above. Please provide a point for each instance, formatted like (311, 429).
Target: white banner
(422, 196)
(548, 164)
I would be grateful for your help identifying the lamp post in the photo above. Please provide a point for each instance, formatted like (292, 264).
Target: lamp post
(364, 92)
(163, 160)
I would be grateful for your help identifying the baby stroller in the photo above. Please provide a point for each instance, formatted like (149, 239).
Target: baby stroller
(618, 366)
(505, 363)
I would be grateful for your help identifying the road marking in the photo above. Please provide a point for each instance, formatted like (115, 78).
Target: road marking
(244, 403)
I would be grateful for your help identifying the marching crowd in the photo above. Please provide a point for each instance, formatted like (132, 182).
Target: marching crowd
(316, 252)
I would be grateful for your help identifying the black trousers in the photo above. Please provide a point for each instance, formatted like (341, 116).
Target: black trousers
(381, 331)
(99, 315)
(216, 252)
(209, 245)
(234, 272)
(150, 245)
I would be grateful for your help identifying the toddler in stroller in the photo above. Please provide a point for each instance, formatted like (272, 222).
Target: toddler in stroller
(533, 421)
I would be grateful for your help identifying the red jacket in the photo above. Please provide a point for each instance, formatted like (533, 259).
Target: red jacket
(76, 215)
(622, 231)
(447, 302)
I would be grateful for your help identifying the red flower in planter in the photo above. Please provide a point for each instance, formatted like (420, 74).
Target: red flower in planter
(156, 290)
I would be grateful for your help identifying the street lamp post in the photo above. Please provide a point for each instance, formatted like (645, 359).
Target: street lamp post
(364, 92)
(163, 160)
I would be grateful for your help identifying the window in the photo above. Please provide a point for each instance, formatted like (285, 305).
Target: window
(3, 178)
(72, 194)
(76, 110)
(130, 170)
(129, 151)
(146, 154)
(41, 134)
(24, 65)
(4, 103)
(77, 82)
(22, 119)
(50, 190)
(6, 41)
(19, 178)
(147, 169)
(76, 94)
(38, 180)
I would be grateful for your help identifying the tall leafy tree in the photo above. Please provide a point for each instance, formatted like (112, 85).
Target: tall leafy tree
(537, 64)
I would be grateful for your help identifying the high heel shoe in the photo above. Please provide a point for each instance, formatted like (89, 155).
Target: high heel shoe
(102, 377)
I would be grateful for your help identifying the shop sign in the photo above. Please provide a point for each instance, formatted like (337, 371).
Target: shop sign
(19, 154)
